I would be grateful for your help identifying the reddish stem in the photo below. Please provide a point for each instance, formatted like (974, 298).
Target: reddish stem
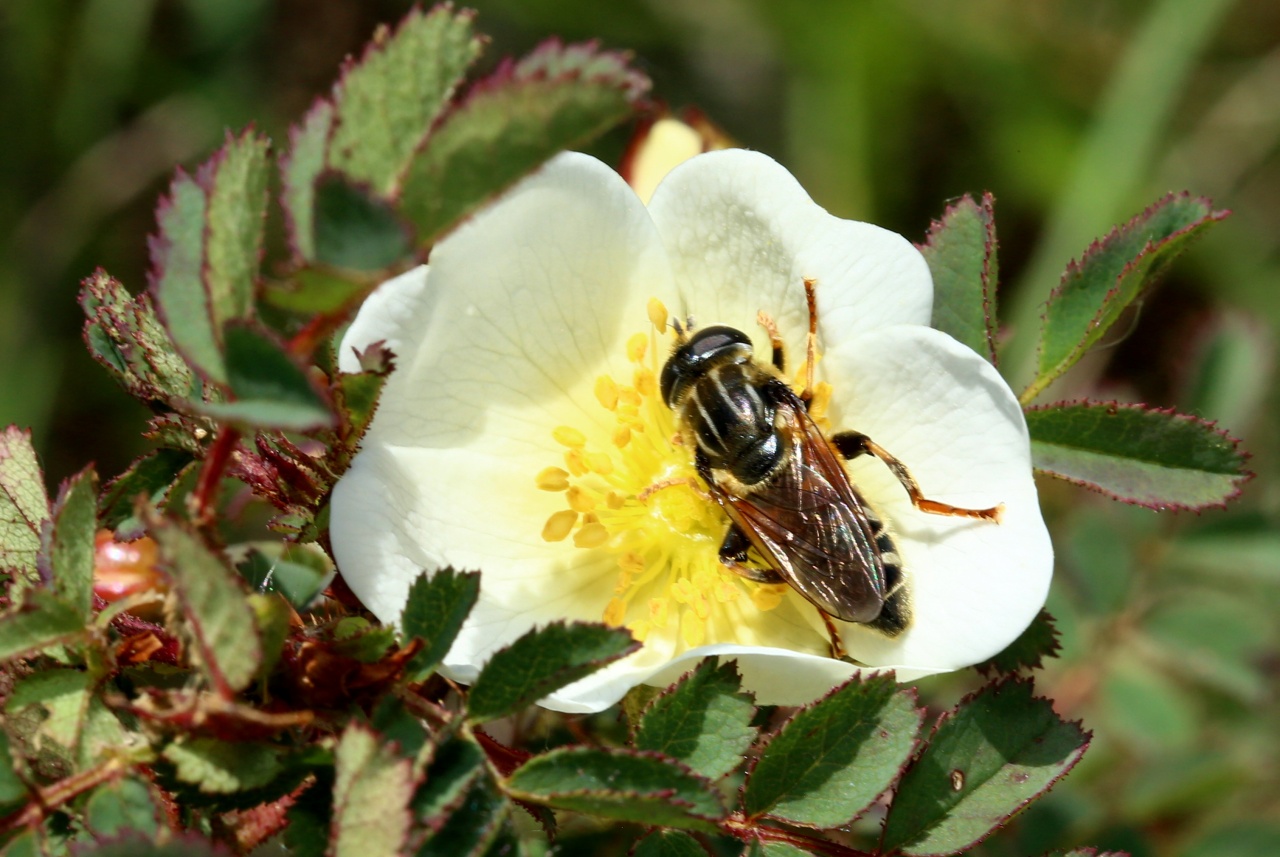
(205, 496)
(746, 830)
(46, 800)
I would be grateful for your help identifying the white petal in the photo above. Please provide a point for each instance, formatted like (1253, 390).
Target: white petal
(743, 234)
(523, 308)
(393, 314)
(946, 414)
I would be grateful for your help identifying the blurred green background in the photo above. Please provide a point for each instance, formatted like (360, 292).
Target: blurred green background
(1075, 113)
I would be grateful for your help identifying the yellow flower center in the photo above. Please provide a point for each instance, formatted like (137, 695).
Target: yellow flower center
(639, 496)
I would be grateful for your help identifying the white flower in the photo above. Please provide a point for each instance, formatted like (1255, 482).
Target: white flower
(526, 362)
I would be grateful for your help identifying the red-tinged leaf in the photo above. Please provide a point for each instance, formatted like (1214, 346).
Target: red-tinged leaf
(70, 550)
(998, 750)
(41, 621)
(205, 256)
(961, 252)
(832, 759)
(124, 334)
(371, 797)
(1112, 274)
(1028, 652)
(704, 720)
(24, 509)
(388, 100)
(558, 97)
(621, 785)
(219, 623)
(308, 144)
(150, 477)
(1146, 456)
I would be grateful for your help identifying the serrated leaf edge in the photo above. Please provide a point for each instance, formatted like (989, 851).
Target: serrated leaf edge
(946, 716)
(986, 212)
(1238, 481)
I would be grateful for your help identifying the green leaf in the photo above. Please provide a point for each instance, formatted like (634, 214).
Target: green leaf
(235, 181)
(668, 843)
(219, 621)
(987, 759)
(41, 621)
(122, 805)
(437, 606)
(832, 759)
(13, 790)
(1086, 852)
(356, 637)
(454, 766)
(1037, 642)
(387, 101)
(357, 231)
(205, 257)
(151, 477)
(223, 767)
(63, 695)
(71, 547)
(357, 397)
(474, 826)
(308, 145)
(1112, 274)
(371, 797)
(125, 335)
(961, 252)
(24, 507)
(541, 662)
(1146, 456)
(132, 844)
(297, 572)
(270, 389)
(762, 848)
(314, 290)
(619, 785)
(703, 721)
(558, 97)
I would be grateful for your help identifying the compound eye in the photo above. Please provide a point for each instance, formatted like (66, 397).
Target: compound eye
(707, 347)
(712, 342)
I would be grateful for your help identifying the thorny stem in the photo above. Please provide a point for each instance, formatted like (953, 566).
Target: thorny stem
(43, 801)
(746, 830)
(205, 496)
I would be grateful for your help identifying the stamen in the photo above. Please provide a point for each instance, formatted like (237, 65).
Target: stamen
(591, 535)
(557, 527)
(636, 347)
(569, 436)
(607, 392)
(553, 479)
(658, 314)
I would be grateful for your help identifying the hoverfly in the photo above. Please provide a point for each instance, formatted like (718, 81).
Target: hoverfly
(783, 483)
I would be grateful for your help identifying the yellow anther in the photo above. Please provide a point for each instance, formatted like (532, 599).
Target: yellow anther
(636, 347)
(576, 461)
(614, 500)
(553, 479)
(607, 392)
(629, 399)
(658, 314)
(591, 535)
(659, 612)
(599, 462)
(726, 591)
(569, 436)
(645, 382)
(632, 563)
(682, 591)
(581, 500)
(693, 633)
(621, 437)
(767, 597)
(615, 612)
(559, 525)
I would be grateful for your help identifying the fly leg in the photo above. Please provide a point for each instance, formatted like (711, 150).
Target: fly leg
(733, 555)
(851, 444)
(811, 339)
